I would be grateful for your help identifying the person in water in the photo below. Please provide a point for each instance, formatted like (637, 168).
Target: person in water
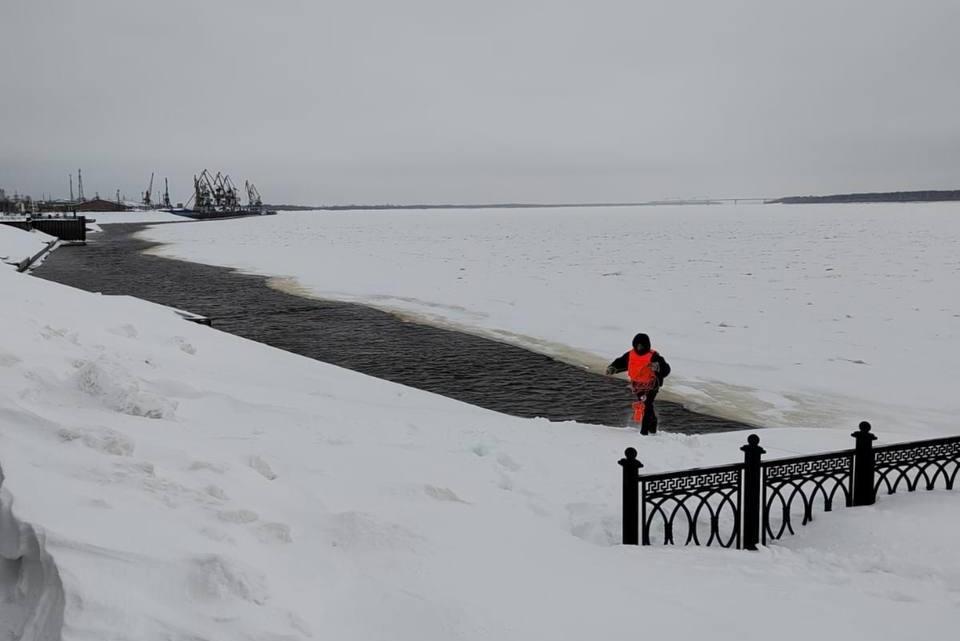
(646, 369)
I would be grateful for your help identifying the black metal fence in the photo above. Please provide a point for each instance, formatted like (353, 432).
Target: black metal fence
(746, 504)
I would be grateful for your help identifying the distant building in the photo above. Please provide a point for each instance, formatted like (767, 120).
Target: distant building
(99, 204)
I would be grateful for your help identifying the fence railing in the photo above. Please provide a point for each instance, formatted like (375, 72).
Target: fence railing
(746, 504)
(794, 488)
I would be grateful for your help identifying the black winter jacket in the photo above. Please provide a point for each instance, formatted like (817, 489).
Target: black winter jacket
(620, 365)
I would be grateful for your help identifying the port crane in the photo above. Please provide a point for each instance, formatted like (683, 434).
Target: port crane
(231, 194)
(147, 194)
(253, 196)
(217, 196)
(215, 193)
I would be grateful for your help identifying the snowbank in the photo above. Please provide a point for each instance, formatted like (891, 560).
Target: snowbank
(17, 245)
(189, 484)
(810, 316)
(31, 594)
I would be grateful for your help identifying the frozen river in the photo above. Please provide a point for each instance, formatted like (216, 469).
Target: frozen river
(466, 367)
(778, 315)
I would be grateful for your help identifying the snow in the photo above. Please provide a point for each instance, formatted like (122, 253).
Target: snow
(189, 484)
(149, 216)
(814, 316)
(18, 244)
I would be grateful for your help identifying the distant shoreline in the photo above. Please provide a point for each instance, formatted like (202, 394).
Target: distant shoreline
(926, 196)
(919, 196)
(648, 203)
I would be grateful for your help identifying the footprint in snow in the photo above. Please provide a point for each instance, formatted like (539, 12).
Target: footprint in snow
(442, 494)
(216, 492)
(481, 449)
(273, 533)
(126, 330)
(238, 516)
(199, 466)
(218, 535)
(261, 467)
(216, 578)
(8, 360)
(184, 346)
(508, 463)
(106, 441)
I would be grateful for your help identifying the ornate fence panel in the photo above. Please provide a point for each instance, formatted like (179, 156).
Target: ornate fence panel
(699, 507)
(743, 504)
(921, 465)
(794, 487)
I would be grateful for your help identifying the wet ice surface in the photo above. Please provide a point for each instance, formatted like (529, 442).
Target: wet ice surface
(475, 370)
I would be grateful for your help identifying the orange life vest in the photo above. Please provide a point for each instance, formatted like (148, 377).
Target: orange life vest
(641, 374)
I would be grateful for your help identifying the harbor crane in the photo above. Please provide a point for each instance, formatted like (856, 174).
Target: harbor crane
(146, 194)
(217, 196)
(231, 194)
(215, 193)
(253, 196)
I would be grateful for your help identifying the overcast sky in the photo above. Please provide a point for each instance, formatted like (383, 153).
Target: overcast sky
(326, 101)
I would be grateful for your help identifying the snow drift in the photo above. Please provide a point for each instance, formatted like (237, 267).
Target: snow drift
(31, 593)
(17, 245)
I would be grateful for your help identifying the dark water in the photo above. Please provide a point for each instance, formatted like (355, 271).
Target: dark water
(468, 368)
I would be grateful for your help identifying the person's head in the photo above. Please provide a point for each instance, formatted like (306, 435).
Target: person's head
(641, 343)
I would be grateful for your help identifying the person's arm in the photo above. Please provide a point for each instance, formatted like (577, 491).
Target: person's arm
(663, 370)
(619, 365)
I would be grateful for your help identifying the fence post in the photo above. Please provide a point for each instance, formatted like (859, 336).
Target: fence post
(751, 505)
(631, 496)
(863, 462)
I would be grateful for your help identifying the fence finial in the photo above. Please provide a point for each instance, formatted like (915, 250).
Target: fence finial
(753, 444)
(864, 435)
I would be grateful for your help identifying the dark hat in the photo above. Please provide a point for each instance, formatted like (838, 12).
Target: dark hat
(641, 340)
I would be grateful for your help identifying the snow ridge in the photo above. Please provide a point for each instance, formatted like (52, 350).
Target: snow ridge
(31, 592)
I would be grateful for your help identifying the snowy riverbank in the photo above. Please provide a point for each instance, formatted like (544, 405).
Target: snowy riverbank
(17, 245)
(815, 316)
(190, 484)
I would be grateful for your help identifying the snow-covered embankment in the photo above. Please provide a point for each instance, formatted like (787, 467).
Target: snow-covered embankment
(190, 484)
(21, 248)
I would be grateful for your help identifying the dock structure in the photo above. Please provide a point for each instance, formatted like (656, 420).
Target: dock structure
(70, 228)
